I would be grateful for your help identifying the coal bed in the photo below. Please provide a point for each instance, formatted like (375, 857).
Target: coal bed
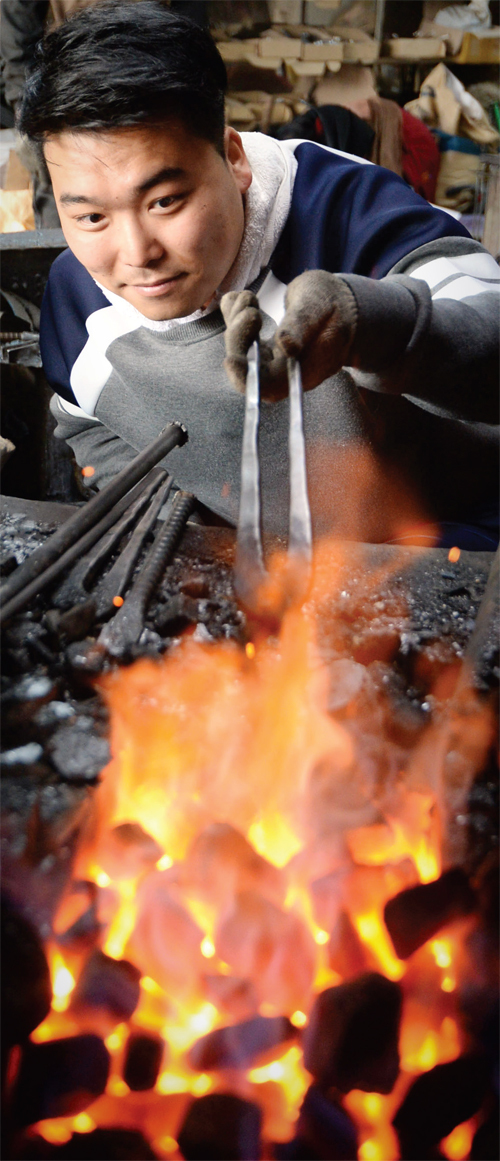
(391, 637)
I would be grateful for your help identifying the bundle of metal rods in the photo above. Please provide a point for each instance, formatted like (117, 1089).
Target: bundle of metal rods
(133, 499)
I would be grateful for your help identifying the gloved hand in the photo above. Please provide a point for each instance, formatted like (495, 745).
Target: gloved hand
(317, 329)
(330, 321)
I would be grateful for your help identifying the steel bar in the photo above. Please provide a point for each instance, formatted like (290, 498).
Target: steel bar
(116, 580)
(172, 436)
(50, 574)
(125, 628)
(75, 587)
(249, 571)
(300, 531)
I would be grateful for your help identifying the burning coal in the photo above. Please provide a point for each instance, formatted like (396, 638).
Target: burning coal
(260, 943)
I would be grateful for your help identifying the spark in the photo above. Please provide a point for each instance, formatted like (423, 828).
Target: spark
(164, 863)
(207, 948)
(299, 1019)
(454, 555)
(88, 471)
(118, 602)
(250, 650)
(321, 936)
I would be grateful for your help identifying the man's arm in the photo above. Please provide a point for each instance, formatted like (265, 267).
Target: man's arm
(92, 443)
(428, 330)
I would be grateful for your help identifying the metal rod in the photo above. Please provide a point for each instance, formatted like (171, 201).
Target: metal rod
(172, 436)
(116, 580)
(249, 568)
(124, 630)
(300, 530)
(75, 587)
(19, 600)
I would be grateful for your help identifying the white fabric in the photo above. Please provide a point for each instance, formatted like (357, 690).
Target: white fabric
(462, 275)
(92, 368)
(267, 205)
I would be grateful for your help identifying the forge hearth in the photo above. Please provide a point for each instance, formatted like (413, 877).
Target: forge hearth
(242, 971)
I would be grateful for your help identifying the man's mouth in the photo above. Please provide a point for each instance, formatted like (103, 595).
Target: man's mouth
(157, 288)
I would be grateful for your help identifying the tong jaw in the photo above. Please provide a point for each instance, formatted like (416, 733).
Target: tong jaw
(250, 574)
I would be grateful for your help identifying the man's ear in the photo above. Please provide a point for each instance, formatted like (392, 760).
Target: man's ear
(237, 160)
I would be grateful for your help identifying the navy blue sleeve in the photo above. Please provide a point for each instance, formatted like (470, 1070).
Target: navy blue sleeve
(71, 295)
(353, 218)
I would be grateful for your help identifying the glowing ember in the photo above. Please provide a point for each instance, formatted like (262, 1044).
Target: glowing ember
(275, 826)
(118, 602)
(454, 555)
(88, 471)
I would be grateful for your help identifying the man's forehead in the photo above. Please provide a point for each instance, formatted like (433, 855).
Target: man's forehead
(158, 147)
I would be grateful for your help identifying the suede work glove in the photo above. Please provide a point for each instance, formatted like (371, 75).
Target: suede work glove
(330, 321)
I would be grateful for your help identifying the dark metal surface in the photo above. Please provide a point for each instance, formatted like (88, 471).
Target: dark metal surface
(19, 588)
(124, 630)
(26, 260)
(75, 587)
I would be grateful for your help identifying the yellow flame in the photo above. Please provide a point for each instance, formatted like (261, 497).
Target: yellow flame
(170, 1082)
(201, 1084)
(151, 986)
(166, 1144)
(56, 1132)
(299, 1019)
(457, 1145)
(250, 650)
(164, 864)
(116, 1038)
(290, 1073)
(441, 950)
(123, 923)
(448, 984)
(63, 982)
(117, 1087)
(372, 1105)
(371, 1150)
(372, 931)
(99, 876)
(321, 937)
(83, 1123)
(207, 947)
(274, 839)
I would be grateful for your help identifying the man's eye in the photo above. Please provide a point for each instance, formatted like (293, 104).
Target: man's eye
(165, 202)
(91, 219)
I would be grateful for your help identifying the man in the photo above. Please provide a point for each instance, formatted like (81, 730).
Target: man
(165, 210)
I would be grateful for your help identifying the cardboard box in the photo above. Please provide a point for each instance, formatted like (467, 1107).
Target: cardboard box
(480, 48)
(264, 62)
(283, 46)
(234, 50)
(323, 50)
(361, 52)
(304, 68)
(416, 48)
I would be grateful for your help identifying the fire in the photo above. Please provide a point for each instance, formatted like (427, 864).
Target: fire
(63, 983)
(247, 758)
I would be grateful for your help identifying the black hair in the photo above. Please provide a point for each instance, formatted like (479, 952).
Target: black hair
(119, 64)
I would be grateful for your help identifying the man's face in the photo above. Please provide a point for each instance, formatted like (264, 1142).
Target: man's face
(152, 212)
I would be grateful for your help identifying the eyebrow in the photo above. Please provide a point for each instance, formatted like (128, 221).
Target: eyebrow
(169, 173)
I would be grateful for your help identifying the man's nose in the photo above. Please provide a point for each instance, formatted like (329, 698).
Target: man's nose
(138, 244)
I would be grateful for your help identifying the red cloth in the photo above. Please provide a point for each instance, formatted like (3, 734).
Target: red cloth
(420, 156)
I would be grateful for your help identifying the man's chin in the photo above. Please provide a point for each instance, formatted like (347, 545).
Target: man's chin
(164, 308)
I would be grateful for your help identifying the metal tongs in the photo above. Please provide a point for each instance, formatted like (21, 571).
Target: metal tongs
(251, 578)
